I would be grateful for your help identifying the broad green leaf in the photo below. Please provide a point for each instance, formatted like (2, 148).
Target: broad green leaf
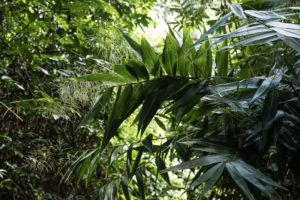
(207, 146)
(267, 83)
(247, 170)
(204, 177)
(83, 168)
(115, 153)
(249, 40)
(270, 108)
(292, 42)
(212, 180)
(157, 91)
(284, 25)
(222, 61)
(160, 123)
(255, 182)
(200, 61)
(147, 142)
(125, 188)
(184, 61)
(161, 166)
(101, 101)
(137, 69)
(137, 161)
(134, 45)
(203, 161)
(217, 25)
(140, 180)
(110, 78)
(92, 166)
(264, 15)
(75, 164)
(238, 10)
(124, 73)
(111, 125)
(149, 56)
(238, 179)
(170, 54)
(209, 63)
(234, 86)
(128, 161)
(288, 32)
(123, 103)
(203, 62)
(127, 101)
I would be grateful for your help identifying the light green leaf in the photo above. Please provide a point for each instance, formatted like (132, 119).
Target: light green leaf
(184, 61)
(170, 54)
(124, 73)
(134, 45)
(292, 42)
(110, 78)
(149, 56)
(264, 15)
(238, 10)
(222, 61)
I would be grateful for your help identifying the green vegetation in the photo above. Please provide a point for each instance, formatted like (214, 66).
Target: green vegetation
(88, 112)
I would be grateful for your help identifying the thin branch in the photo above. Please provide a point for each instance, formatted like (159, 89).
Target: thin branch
(8, 108)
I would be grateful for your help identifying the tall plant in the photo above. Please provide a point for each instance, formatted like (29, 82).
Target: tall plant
(230, 102)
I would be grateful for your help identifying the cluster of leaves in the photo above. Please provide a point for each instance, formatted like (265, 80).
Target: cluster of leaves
(224, 111)
(42, 43)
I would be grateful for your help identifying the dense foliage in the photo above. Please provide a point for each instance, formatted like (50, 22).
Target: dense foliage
(213, 119)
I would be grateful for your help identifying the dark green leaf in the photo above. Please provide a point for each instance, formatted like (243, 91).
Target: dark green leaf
(140, 180)
(134, 45)
(212, 180)
(203, 161)
(147, 142)
(248, 171)
(128, 160)
(238, 179)
(270, 108)
(204, 177)
(161, 166)
(115, 153)
(125, 188)
(137, 160)
(101, 101)
(160, 123)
